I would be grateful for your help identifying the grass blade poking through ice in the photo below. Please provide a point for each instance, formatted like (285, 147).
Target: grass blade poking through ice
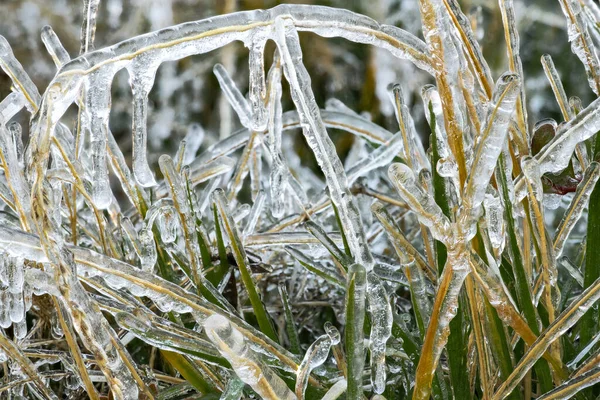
(242, 262)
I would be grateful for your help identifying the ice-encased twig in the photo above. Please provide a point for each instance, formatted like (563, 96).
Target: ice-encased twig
(320, 142)
(336, 390)
(232, 345)
(255, 213)
(576, 208)
(54, 47)
(444, 46)
(546, 252)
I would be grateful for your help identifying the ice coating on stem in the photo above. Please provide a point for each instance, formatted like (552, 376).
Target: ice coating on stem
(492, 138)
(14, 69)
(232, 345)
(557, 87)
(315, 356)
(88, 27)
(54, 46)
(234, 96)
(445, 308)
(380, 311)
(420, 201)
(513, 44)
(319, 141)
(576, 208)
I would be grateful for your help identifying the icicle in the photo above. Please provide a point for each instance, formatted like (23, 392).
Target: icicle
(98, 108)
(255, 166)
(232, 345)
(494, 216)
(255, 213)
(319, 141)
(380, 311)
(193, 140)
(576, 208)
(88, 27)
(234, 96)
(54, 46)
(257, 85)
(315, 356)
(142, 72)
(278, 175)
(420, 201)
(148, 255)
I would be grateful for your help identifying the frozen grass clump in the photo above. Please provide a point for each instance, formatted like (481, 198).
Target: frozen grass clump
(233, 270)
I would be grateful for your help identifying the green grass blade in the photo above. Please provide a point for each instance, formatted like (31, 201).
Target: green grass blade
(290, 325)
(241, 259)
(354, 334)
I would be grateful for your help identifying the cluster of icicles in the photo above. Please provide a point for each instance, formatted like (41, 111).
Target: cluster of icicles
(39, 258)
